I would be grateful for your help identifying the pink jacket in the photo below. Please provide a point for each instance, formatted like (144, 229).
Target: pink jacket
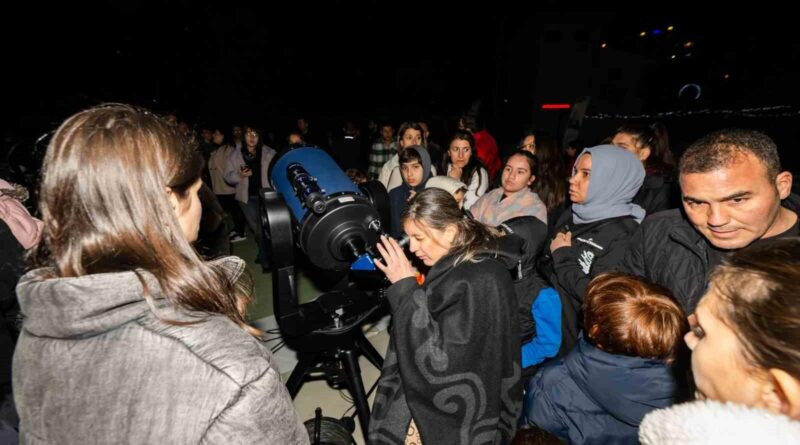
(25, 228)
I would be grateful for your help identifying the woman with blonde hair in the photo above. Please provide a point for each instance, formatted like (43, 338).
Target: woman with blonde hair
(451, 374)
(128, 336)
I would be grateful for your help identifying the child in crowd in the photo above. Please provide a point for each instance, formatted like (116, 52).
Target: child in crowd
(452, 186)
(415, 169)
(619, 370)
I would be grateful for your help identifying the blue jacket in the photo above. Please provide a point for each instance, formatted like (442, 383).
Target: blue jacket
(546, 313)
(593, 397)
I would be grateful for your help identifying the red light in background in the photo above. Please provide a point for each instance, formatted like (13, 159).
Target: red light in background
(556, 106)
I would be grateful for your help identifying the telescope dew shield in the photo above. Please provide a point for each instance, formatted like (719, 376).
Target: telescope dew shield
(333, 218)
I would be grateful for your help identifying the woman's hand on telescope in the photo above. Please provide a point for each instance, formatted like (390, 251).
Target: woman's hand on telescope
(395, 264)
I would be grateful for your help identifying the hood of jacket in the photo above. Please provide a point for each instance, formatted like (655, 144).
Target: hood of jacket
(77, 307)
(626, 387)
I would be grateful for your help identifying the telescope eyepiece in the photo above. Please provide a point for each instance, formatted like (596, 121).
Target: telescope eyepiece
(306, 188)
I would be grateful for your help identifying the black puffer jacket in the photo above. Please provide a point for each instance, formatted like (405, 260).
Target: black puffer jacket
(659, 192)
(525, 237)
(668, 251)
(597, 247)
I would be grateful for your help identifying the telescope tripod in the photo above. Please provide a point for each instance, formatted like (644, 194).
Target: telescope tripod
(327, 335)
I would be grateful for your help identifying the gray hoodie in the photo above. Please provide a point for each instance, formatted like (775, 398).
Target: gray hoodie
(95, 365)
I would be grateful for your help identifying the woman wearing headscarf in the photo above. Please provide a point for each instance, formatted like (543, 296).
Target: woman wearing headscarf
(592, 238)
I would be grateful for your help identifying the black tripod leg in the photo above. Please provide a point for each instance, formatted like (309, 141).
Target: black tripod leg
(304, 364)
(368, 351)
(350, 361)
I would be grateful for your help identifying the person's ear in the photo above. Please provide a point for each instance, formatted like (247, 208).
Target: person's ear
(532, 180)
(644, 153)
(450, 233)
(593, 331)
(781, 394)
(783, 182)
(172, 198)
(174, 201)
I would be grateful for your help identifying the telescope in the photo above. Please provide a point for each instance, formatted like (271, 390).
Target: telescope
(335, 221)
(314, 208)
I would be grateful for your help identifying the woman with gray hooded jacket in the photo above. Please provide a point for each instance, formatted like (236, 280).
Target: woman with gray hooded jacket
(128, 336)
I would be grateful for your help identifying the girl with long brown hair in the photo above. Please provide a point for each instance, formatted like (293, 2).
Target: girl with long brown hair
(129, 336)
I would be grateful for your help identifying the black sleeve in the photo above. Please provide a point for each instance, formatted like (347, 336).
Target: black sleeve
(569, 274)
(12, 266)
(633, 258)
(615, 252)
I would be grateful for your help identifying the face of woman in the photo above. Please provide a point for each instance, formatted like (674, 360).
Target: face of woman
(517, 174)
(529, 144)
(188, 210)
(251, 138)
(579, 182)
(630, 143)
(721, 371)
(460, 153)
(411, 137)
(217, 137)
(428, 244)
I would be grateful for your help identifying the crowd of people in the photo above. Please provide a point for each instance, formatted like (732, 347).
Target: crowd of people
(603, 295)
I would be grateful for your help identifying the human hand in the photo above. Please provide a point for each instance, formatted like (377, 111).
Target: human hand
(562, 239)
(394, 264)
(455, 172)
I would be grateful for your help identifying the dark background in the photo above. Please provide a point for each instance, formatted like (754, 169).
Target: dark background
(268, 63)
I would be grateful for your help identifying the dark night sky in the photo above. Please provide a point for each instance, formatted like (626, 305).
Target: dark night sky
(212, 61)
(260, 63)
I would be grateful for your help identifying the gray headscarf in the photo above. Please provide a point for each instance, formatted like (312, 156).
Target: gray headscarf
(616, 177)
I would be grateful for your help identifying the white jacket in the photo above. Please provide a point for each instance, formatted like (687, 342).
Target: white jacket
(474, 191)
(710, 423)
(217, 164)
(242, 183)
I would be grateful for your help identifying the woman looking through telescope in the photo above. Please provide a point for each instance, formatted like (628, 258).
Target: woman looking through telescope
(451, 374)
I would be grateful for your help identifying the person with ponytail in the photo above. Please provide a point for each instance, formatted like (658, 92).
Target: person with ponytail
(551, 176)
(128, 335)
(650, 143)
(452, 370)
